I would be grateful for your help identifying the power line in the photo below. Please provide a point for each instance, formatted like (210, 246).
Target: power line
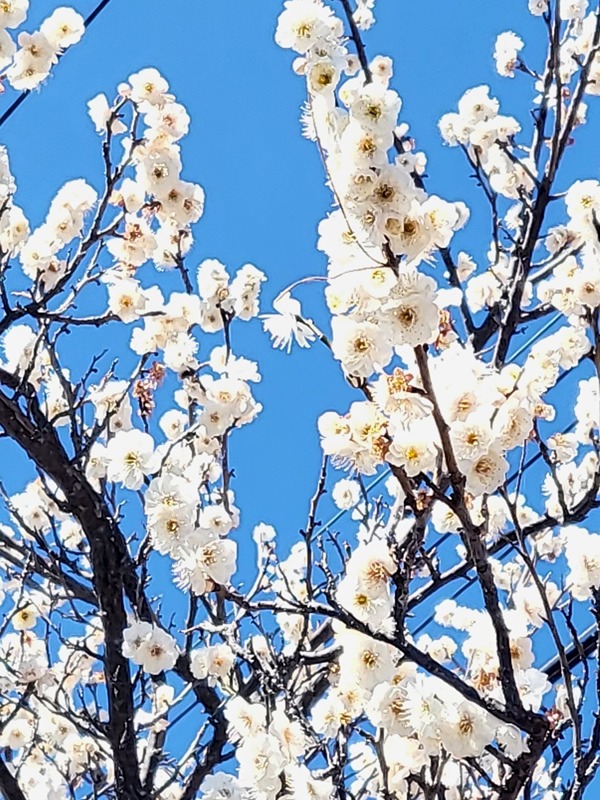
(550, 324)
(93, 14)
(22, 97)
(574, 655)
(552, 668)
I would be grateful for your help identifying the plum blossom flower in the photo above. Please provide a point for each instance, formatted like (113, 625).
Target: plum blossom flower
(150, 647)
(287, 325)
(131, 457)
(506, 52)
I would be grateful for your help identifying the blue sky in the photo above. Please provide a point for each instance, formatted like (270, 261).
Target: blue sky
(264, 183)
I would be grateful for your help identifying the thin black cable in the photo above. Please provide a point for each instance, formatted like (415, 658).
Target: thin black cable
(21, 98)
(574, 655)
(93, 14)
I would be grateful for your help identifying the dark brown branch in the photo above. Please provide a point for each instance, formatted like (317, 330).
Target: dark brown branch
(8, 784)
(358, 42)
(41, 443)
(213, 755)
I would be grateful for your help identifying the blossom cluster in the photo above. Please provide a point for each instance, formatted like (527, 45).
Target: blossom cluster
(393, 333)
(27, 65)
(175, 462)
(326, 670)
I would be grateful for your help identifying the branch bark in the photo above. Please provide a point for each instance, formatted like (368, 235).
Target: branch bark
(107, 555)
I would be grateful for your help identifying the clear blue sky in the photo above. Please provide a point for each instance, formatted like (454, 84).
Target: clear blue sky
(264, 183)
